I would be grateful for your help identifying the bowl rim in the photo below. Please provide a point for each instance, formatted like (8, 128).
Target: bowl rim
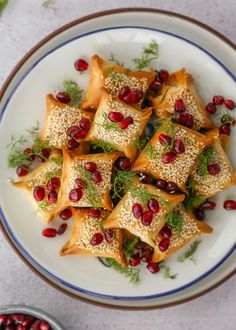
(2, 92)
(32, 311)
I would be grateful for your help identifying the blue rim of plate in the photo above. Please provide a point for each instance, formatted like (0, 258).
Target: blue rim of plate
(34, 263)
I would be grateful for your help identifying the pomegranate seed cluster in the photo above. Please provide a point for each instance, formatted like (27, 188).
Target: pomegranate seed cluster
(19, 321)
(65, 125)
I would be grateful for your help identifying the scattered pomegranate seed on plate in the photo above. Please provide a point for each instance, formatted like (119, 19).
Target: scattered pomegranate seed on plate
(229, 104)
(27, 151)
(153, 267)
(81, 65)
(218, 99)
(230, 204)
(211, 108)
(208, 205)
(62, 229)
(225, 129)
(65, 214)
(22, 170)
(49, 232)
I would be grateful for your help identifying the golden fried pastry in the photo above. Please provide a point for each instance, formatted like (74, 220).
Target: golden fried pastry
(142, 211)
(191, 228)
(59, 118)
(179, 96)
(171, 153)
(113, 77)
(213, 171)
(118, 124)
(42, 184)
(86, 180)
(88, 237)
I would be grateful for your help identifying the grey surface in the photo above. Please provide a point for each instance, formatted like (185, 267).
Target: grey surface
(23, 24)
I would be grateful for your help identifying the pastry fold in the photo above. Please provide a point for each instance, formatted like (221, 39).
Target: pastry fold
(113, 77)
(181, 86)
(84, 228)
(103, 129)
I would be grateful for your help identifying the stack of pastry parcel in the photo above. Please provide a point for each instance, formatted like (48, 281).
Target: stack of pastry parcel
(113, 113)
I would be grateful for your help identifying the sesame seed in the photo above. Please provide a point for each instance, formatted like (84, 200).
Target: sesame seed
(113, 84)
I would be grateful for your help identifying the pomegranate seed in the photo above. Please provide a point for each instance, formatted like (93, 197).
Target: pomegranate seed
(53, 183)
(22, 170)
(169, 157)
(225, 129)
(146, 179)
(165, 139)
(72, 144)
(179, 146)
(63, 97)
(28, 151)
(153, 267)
(3, 319)
(134, 260)
(80, 133)
(81, 65)
(211, 108)
(65, 214)
(96, 239)
(163, 75)
(91, 167)
(52, 197)
(126, 122)
(62, 229)
(21, 327)
(75, 195)
(218, 100)
(147, 255)
(230, 204)
(141, 245)
(17, 318)
(137, 210)
(97, 177)
(80, 183)
(71, 130)
(155, 86)
(85, 123)
(153, 205)
(213, 169)
(28, 320)
(115, 116)
(179, 106)
(10, 327)
(39, 193)
(95, 213)
(46, 152)
(49, 232)
(165, 232)
(124, 92)
(133, 97)
(164, 244)
(199, 213)
(208, 205)
(230, 104)
(35, 325)
(109, 235)
(161, 184)
(189, 122)
(146, 218)
(124, 163)
(171, 187)
(180, 118)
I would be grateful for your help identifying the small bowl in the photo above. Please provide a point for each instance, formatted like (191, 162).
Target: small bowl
(28, 310)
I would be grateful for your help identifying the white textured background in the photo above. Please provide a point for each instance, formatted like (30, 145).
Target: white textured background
(23, 24)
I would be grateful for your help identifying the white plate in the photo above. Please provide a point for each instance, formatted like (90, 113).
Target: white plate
(181, 44)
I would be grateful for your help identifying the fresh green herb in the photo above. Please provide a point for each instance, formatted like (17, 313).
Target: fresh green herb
(109, 125)
(129, 246)
(142, 141)
(116, 77)
(121, 181)
(175, 221)
(58, 160)
(151, 152)
(131, 273)
(166, 273)
(192, 199)
(3, 4)
(226, 118)
(204, 159)
(92, 194)
(149, 54)
(144, 195)
(48, 3)
(51, 174)
(16, 155)
(114, 60)
(73, 90)
(43, 206)
(188, 254)
(105, 146)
